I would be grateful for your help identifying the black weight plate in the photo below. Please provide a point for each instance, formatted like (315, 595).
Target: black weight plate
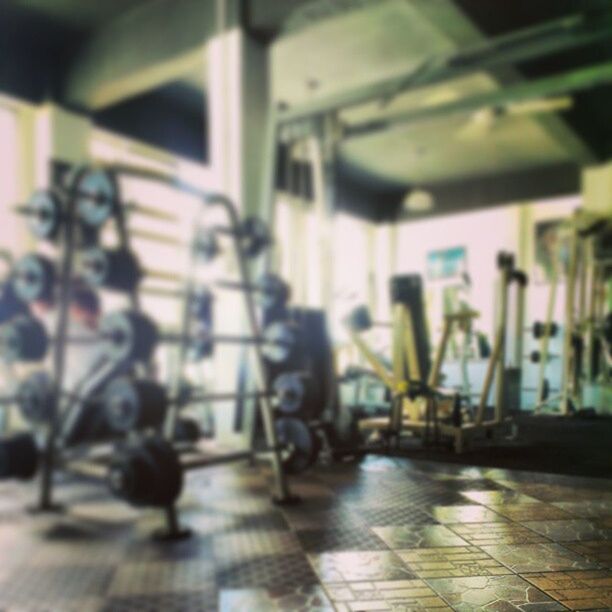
(254, 236)
(205, 246)
(36, 397)
(96, 196)
(128, 336)
(18, 457)
(33, 278)
(115, 269)
(23, 339)
(279, 340)
(301, 441)
(273, 291)
(289, 391)
(45, 215)
(10, 304)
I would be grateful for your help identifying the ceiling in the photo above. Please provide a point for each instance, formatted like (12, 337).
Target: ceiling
(323, 47)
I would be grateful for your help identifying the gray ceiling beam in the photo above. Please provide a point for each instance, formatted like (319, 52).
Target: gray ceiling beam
(523, 45)
(565, 83)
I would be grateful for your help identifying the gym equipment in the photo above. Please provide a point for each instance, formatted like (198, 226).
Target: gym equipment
(359, 320)
(251, 234)
(540, 329)
(129, 336)
(34, 396)
(34, 278)
(302, 445)
(272, 291)
(147, 473)
(536, 357)
(418, 403)
(45, 214)
(10, 304)
(131, 404)
(19, 457)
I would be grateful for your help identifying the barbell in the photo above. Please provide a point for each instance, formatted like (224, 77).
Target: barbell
(135, 404)
(129, 336)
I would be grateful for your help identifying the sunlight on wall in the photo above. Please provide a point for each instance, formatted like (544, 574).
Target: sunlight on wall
(9, 184)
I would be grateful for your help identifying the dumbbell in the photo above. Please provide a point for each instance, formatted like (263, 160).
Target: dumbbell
(539, 329)
(271, 290)
(34, 397)
(131, 405)
(147, 473)
(129, 336)
(19, 457)
(359, 320)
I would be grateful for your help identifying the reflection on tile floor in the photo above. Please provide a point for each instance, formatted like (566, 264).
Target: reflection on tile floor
(581, 590)
(538, 558)
(570, 531)
(487, 534)
(384, 595)
(454, 561)
(415, 536)
(493, 593)
(383, 534)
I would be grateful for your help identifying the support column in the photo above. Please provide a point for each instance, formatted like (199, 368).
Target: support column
(238, 117)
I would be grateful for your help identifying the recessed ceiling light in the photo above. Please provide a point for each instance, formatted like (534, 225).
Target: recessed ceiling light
(418, 200)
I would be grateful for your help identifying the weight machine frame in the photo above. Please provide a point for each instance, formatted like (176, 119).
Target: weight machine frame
(417, 402)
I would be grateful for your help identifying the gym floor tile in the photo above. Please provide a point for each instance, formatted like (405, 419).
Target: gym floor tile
(604, 521)
(196, 547)
(323, 540)
(417, 536)
(558, 493)
(488, 534)
(274, 571)
(455, 561)
(465, 514)
(309, 598)
(538, 511)
(147, 578)
(598, 551)
(384, 595)
(54, 584)
(546, 557)
(298, 519)
(581, 590)
(396, 515)
(487, 593)
(489, 498)
(241, 545)
(359, 566)
(587, 509)
(195, 601)
(570, 530)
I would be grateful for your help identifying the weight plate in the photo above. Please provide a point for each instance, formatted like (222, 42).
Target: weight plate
(45, 215)
(115, 269)
(36, 397)
(23, 339)
(34, 278)
(18, 457)
(254, 236)
(121, 405)
(95, 266)
(205, 246)
(301, 442)
(10, 304)
(359, 319)
(200, 306)
(279, 340)
(128, 336)
(289, 391)
(273, 291)
(96, 197)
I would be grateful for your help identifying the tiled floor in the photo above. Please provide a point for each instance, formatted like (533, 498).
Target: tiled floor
(385, 534)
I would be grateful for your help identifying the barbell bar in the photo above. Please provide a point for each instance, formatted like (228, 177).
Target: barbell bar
(271, 290)
(131, 404)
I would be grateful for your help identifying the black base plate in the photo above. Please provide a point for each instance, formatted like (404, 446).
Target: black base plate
(163, 534)
(288, 500)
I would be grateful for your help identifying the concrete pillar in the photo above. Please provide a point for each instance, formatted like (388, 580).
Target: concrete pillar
(238, 114)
